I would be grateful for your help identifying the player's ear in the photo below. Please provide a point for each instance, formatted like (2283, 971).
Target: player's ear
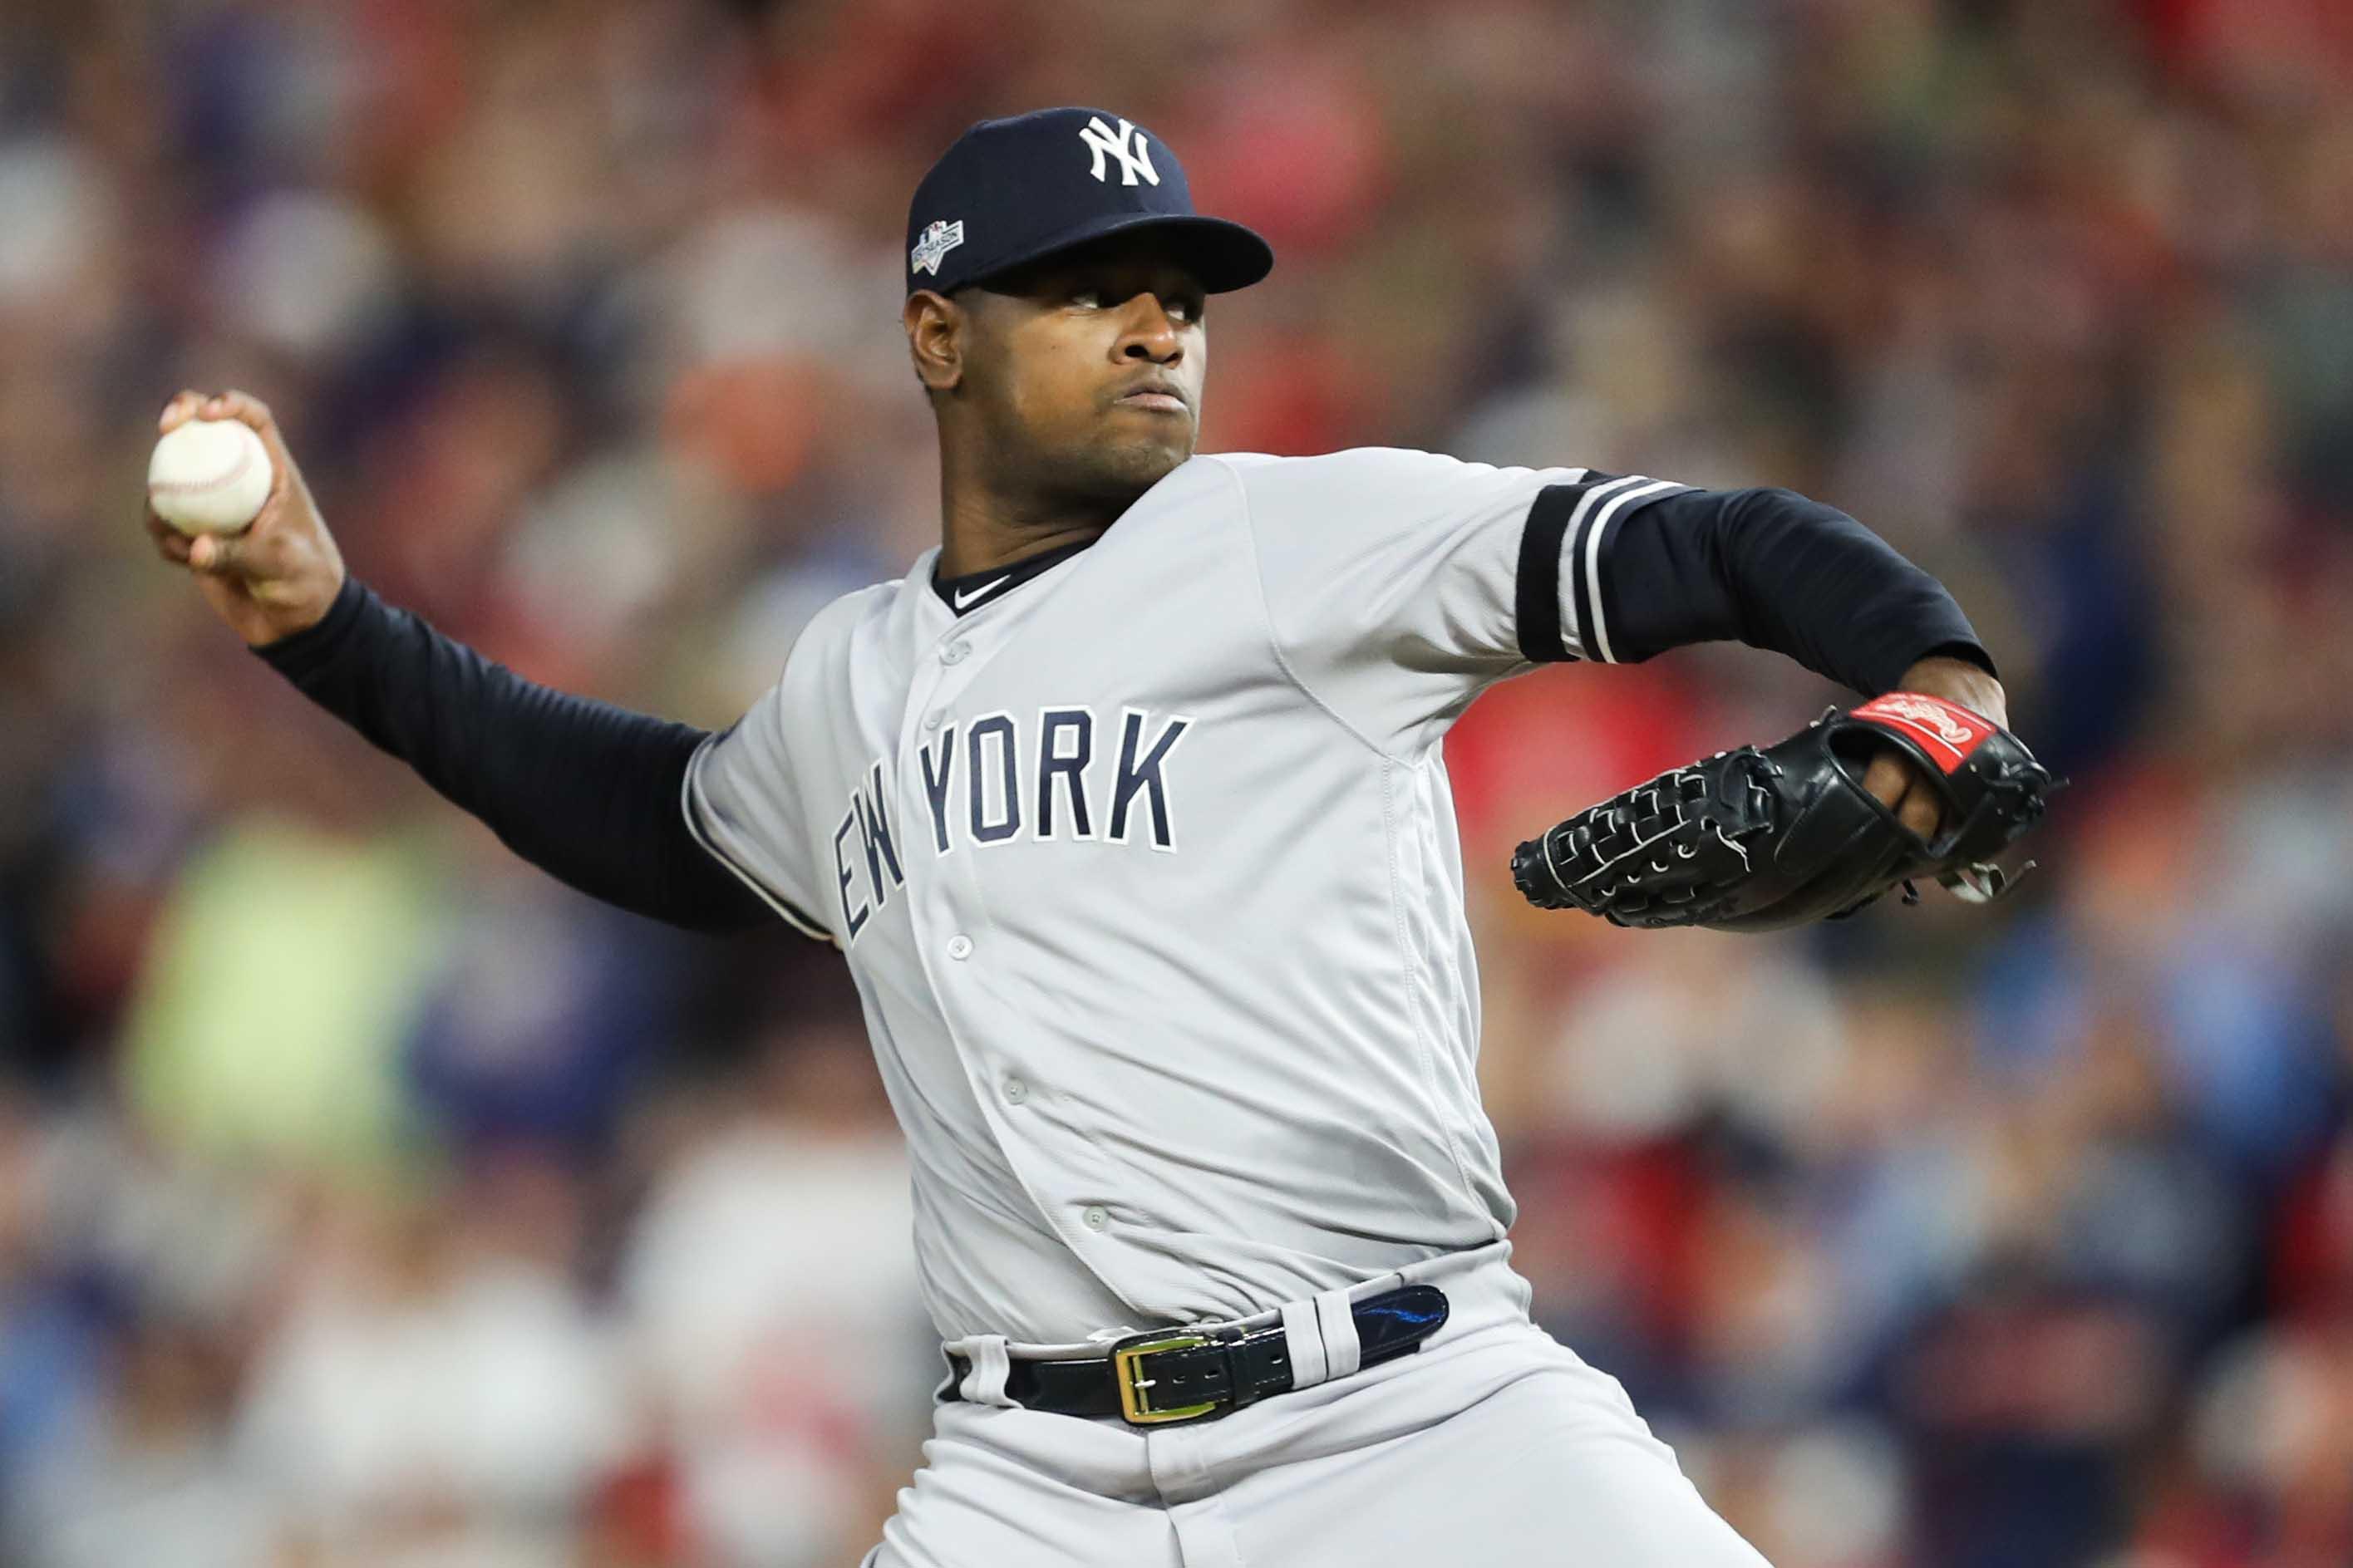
(937, 330)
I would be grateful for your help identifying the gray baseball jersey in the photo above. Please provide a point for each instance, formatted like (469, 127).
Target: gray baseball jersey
(1146, 871)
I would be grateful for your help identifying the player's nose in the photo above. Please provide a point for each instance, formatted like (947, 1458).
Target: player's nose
(1150, 333)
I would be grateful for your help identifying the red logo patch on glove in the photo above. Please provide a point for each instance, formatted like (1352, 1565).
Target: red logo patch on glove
(1948, 731)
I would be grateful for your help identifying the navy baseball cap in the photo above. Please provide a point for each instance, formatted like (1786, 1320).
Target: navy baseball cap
(1010, 191)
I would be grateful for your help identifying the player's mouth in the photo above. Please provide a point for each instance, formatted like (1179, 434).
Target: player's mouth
(1160, 396)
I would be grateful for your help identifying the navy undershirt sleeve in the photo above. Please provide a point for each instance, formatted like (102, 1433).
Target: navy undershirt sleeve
(1767, 567)
(585, 791)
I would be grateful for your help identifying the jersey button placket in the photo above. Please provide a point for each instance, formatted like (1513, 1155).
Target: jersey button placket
(954, 898)
(951, 896)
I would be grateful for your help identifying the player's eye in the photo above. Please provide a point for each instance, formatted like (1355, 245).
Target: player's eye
(1097, 296)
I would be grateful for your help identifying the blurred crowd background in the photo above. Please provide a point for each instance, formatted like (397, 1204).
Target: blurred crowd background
(368, 1198)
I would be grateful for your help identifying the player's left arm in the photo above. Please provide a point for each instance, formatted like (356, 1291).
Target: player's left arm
(1400, 583)
(1667, 567)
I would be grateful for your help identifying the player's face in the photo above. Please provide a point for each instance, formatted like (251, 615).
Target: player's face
(1089, 366)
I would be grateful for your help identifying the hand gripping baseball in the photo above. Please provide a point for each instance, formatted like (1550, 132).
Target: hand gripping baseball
(1759, 839)
(279, 574)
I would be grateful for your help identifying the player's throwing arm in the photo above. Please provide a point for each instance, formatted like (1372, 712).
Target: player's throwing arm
(585, 791)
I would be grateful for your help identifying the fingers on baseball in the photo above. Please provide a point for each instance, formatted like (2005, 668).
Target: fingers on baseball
(249, 410)
(180, 410)
(241, 407)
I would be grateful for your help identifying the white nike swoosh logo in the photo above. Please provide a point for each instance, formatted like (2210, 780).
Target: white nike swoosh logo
(965, 601)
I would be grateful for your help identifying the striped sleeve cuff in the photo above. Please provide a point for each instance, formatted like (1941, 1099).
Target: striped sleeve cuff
(1559, 601)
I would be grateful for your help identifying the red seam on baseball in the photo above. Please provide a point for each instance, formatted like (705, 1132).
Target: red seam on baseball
(179, 487)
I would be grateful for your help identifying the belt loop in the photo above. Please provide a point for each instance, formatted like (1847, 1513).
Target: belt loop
(1302, 1340)
(1343, 1353)
(984, 1383)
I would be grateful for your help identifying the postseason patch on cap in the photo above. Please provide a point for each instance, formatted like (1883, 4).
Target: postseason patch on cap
(935, 243)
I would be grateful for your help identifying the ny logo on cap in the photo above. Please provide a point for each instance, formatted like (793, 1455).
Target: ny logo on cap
(1129, 147)
(936, 242)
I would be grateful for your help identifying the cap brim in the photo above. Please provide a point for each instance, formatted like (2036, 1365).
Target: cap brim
(1223, 255)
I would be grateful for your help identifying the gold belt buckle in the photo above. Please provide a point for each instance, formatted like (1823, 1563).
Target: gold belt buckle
(1134, 1401)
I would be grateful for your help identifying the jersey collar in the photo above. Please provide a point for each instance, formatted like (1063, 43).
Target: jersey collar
(969, 593)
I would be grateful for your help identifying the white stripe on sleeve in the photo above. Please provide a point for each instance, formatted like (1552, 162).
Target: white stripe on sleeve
(1593, 551)
(1574, 634)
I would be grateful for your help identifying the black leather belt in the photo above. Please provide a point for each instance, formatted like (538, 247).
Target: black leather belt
(1166, 1375)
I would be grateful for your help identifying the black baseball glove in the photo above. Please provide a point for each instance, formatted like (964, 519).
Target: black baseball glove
(1756, 840)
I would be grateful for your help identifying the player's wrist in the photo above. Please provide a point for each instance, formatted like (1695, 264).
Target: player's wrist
(307, 618)
(1958, 680)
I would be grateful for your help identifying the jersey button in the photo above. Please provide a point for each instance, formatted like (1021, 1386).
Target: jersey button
(932, 720)
(959, 947)
(1015, 1091)
(954, 653)
(1095, 1215)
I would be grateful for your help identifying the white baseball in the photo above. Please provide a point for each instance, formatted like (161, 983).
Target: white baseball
(209, 476)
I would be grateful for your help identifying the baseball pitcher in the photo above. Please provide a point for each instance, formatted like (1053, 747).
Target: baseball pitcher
(1126, 808)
